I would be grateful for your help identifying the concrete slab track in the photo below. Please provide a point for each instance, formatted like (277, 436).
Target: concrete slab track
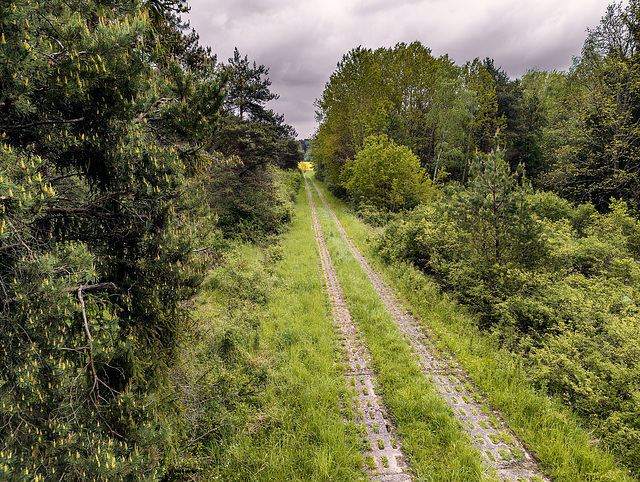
(499, 447)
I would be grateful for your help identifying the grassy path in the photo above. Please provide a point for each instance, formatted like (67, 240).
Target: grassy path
(499, 448)
(279, 408)
(384, 459)
(433, 440)
(309, 422)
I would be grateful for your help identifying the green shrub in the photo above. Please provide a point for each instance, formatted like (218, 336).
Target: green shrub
(569, 306)
(387, 175)
(219, 381)
(371, 214)
(256, 205)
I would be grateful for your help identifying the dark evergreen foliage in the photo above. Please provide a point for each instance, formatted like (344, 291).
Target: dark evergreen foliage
(103, 130)
(248, 90)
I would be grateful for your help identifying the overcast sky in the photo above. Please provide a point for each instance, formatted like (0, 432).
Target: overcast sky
(302, 41)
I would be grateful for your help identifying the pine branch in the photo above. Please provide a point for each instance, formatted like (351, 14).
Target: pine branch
(78, 211)
(40, 123)
(162, 101)
(9, 246)
(94, 287)
(64, 176)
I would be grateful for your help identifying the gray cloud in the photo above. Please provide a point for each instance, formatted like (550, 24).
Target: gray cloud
(301, 42)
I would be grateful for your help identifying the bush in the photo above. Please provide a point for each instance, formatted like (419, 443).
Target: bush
(386, 175)
(218, 382)
(256, 205)
(569, 306)
(371, 214)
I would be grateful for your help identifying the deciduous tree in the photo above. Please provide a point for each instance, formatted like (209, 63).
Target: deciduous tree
(386, 174)
(599, 158)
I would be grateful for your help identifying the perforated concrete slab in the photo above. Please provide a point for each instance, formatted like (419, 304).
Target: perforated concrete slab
(500, 448)
(384, 460)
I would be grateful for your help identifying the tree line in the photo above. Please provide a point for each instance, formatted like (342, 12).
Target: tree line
(573, 132)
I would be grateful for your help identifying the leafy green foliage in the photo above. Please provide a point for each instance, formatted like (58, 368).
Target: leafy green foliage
(560, 440)
(220, 378)
(418, 101)
(253, 197)
(387, 175)
(486, 120)
(553, 282)
(254, 211)
(598, 157)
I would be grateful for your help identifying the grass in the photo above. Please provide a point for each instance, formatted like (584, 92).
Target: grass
(431, 437)
(370, 462)
(299, 426)
(557, 438)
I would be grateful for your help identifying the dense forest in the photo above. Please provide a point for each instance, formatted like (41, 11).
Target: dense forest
(518, 196)
(573, 133)
(158, 324)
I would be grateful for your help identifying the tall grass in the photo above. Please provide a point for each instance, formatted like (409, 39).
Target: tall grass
(555, 435)
(298, 425)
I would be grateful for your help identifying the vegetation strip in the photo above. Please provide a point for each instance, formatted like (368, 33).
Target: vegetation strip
(383, 457)
(499, 448)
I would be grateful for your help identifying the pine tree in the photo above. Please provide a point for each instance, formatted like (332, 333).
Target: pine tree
(98, 146)
(491, 206)
(248, 89)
